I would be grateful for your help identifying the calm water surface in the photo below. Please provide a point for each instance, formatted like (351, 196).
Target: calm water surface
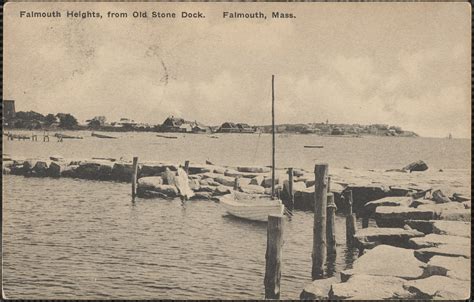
(71, 238)
(66, 238)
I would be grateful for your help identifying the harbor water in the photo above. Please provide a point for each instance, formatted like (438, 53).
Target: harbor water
(68, 238)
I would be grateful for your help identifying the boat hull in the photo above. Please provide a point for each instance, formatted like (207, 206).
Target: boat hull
(255, 210)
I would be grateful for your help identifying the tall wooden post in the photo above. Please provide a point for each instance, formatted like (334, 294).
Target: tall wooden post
(236, 184)
(331, 225)
(134, 177)
(186, 167)
(350, 220)
(273, 256)
(290, 189)
(273, 136)
(319, 227)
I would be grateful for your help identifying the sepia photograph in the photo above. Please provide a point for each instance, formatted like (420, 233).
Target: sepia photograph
(236, 151)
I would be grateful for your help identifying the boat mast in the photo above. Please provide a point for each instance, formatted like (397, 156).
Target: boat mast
(273, 136)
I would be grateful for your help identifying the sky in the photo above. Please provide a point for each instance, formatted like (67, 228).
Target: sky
(405, 64)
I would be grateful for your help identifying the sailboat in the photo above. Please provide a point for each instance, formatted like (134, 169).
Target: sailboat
(256, 207)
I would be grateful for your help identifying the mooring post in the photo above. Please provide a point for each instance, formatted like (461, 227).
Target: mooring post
(290, 189)
(331, 225)
(186, 166)
(350, 220)
(134, 177)
(365, 221)
(273, 256)
(319, 227)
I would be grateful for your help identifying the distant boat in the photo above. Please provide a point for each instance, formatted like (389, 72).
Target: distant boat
(101, 135)
(166, 136)
(213, 136)
(314, 146)
(67, 136)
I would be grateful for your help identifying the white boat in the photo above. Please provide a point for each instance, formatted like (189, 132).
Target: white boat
(254, 207)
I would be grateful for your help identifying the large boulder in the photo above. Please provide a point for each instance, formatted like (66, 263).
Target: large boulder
(455, 228)
(149, 182)
(439, 287)
(369, 287)
(69, 171)
(439, 197)
(164, 190)
(233, 173)
(199, 169)
(397, 216)
(318, 289)
(431, 240)
(257, 180)
(221, 190)
(155, 168)
(122, 171)
(387, 201)
(416, 166)
(424, 226)
(41, 168)
(371, 236)
(452, 267)
(448, 250)
(361, 194)
(55, 168)
(208, 182)
(225, 180)
(386, 260)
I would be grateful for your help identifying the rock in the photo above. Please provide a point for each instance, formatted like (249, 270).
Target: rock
(199, 169)
(366, 193)
(88, 170)
(440, 287)
(455, 228)
(257, 180)
(208, 182)
(318, 289)
(55, 168)
(221, 190)
(154, 168)
(226, 181)
(219, 170)
(297, 186)
(304, 199)
(387, 201)
(367, 287)
(419, 202)
(17, 169)
(452, 267)
(150, 182)
(460, 197)
(267, 181)
(194, 184)
(56, 158)
(242, 181)
(168, 190)
(6, 171)
(122, 171)
(234, 174)
(386, 260)
(431, 240)
(41, 168)
(392, 236)
(424, 226)
(204, 188)
(202, 196)
(416, 166)
(456, 215)
(69, 171)
(448, 250)
(254, 169)
(169, 177)
(396, 216)
(439, 197)
(152, 194)
(252, 189)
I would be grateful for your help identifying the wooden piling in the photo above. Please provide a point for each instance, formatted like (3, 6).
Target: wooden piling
(186, 166)
(273, 256)
(134, 177)
(350, 220)
(290, 189)
(331, 225)
(319, 227)
(236, 184)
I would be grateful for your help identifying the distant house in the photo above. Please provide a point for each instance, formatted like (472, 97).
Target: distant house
(228, 127)
(245, 128)
(172, 124)
(200, 128)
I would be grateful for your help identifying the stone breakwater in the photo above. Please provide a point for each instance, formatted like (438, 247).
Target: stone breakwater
(420, 250)
(209, 181)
